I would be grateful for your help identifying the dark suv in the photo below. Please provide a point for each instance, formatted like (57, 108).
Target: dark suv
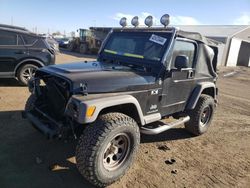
(22, 52)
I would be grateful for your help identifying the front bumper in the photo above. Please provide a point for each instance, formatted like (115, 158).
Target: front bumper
(45, 124)
(50, 133)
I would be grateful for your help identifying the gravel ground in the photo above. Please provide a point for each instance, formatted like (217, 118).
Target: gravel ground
(219, 158)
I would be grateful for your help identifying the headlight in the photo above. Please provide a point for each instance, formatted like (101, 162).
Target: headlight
(73, 109)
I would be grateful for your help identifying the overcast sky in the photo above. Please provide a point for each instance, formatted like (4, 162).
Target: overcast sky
(65, 15)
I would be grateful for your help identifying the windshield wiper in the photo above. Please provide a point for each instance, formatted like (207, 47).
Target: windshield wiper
(133, 66)
(116, 65)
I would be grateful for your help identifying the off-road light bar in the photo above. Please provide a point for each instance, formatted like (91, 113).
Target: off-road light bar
(123, 22)
(135, 21)
(148, 21)
(165, 20)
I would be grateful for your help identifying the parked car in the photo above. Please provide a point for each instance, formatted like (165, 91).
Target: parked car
(54, 44)
(63, 42)
(22, 52)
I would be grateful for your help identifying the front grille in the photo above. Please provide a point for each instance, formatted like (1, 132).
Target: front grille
(56, 100)
(55, 96)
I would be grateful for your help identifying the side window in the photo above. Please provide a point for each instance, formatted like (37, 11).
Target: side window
(20, 41)
(184, 48)
(29, 40)
(7, 38)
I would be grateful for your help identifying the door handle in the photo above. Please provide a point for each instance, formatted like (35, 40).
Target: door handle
(190, 74)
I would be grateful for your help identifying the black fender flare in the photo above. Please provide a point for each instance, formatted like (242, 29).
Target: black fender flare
(102, 103)
(193, 99)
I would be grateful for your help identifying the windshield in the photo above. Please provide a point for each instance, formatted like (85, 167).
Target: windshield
(139, 45)
(84, 33)
(64, 39)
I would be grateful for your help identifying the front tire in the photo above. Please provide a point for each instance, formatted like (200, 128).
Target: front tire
(25, 73)
(201, 116)
(107, 148)
(30, 103)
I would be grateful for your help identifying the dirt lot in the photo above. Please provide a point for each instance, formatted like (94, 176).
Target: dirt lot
(220, 158)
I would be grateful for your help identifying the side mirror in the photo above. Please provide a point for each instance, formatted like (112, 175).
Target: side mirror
(181, 62)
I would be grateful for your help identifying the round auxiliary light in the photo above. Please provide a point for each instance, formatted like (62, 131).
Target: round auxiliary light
(149, 21)
(123, 22)
(135, 21)
(165, 20)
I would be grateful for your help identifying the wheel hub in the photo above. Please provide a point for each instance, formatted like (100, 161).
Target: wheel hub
(28, 73)
(116, 152)
(205, 116)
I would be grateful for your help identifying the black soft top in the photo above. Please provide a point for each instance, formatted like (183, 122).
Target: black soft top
(197, 37)
(184, 34)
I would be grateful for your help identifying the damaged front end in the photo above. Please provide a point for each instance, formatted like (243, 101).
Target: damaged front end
(47, 114)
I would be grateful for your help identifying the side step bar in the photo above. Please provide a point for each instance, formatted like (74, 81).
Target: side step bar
(165, 127)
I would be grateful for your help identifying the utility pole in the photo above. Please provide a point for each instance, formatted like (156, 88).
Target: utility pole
(11, 20)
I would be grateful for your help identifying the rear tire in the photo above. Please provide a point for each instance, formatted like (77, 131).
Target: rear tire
(25, 73)
(107, 148)
(201, 116)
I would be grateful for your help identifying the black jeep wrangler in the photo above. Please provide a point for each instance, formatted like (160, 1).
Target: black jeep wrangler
(141, 76)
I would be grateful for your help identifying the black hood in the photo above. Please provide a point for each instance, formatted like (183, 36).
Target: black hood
(102, 77)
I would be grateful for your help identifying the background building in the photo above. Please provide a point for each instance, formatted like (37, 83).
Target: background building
(234, 46)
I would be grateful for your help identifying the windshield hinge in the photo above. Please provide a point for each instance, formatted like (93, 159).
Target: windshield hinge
(84, 88)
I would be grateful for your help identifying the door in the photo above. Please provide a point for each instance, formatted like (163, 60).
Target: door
(12, 51)
(179, 83)
(244, 54)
